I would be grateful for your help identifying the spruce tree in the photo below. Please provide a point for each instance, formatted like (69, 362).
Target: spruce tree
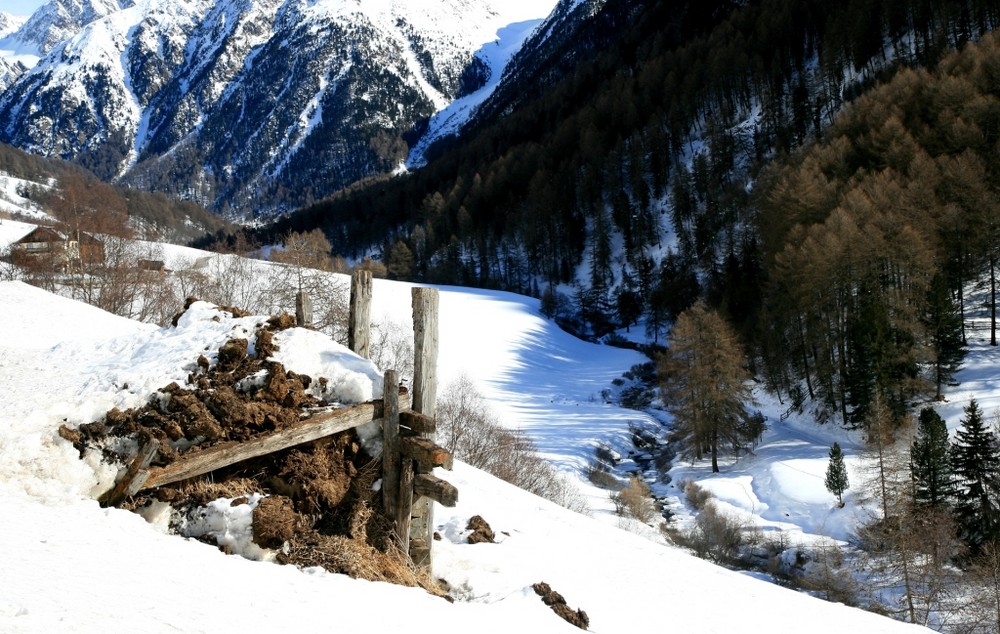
(976, 464)
(933, 482)
(836, 474)
(943, 320)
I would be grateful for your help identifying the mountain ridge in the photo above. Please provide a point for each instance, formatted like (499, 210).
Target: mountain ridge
(235, 102)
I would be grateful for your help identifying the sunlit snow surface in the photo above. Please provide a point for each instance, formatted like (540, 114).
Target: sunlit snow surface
(71, 566)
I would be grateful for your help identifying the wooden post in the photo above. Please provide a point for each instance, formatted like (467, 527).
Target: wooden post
(359, 322)
(425, 353)
(303, 309)
(390, 443)
(425, 350)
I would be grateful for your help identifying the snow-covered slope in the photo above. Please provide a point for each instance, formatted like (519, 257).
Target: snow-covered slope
(13, 201)
(235, 98)
(79, 568)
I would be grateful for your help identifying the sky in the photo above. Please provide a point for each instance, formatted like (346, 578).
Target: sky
(21, 7)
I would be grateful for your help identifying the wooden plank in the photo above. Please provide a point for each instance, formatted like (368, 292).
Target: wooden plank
(225, 454)
(425, 357)
(442, 492)
(426, 454)
(135, 476)
(359, 322)
(417, 422)
(390, 444)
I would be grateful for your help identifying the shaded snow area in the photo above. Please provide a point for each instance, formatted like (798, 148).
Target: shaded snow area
(75, 567)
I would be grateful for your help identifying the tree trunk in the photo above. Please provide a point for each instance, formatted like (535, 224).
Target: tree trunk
(993, 299)
(715, 451)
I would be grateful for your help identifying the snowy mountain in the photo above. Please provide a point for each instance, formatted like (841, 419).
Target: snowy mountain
(9, 23)
(64, 362)
(229, 101)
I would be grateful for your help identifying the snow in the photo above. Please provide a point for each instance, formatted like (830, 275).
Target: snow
(12, 202)
(496, 54)
(79, 568)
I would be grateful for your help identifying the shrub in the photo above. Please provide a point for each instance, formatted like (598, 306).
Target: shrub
(635, 500)
(599, 476)
(696, 496)
(715, 536)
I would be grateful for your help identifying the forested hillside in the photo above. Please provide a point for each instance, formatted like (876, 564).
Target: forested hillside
(869, 238)
(629, 173)
(59, 185)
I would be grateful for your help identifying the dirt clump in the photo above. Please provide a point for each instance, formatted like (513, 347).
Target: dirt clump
(274, 521)
(481, 531)
(558, 604)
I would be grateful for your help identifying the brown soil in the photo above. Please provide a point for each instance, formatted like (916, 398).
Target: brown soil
(556, 601)
(481, 531)
(320, 499)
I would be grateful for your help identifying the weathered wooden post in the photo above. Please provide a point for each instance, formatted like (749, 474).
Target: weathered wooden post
(390, 443)
(425, 353)
(359, 322)
(303, 309)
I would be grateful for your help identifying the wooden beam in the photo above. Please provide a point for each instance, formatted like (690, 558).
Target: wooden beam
(390, 443)
(225, 454)
(135, 476)
(425, 357)
(417, 422)
(444, 493)
(425, 350)
(359, 322)
(426, 454)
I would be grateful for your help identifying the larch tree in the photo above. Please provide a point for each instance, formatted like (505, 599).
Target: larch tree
(836, 474)
(705, 385)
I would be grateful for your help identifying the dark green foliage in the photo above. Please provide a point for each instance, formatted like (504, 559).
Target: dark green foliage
(836, 474)
(976, 464)
(930, 464)
(943, 320)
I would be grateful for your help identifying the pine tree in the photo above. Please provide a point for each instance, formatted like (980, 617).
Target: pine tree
(836, 474)
(943, 321)
(976, 463)
(933, 483)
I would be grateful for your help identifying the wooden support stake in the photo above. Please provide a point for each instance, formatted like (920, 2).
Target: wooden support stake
(390, 443)
(436, 489)
(417, 422)
(359, 321)
(426, 454)
(425, 354)
(135, 476)
(404, 510)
